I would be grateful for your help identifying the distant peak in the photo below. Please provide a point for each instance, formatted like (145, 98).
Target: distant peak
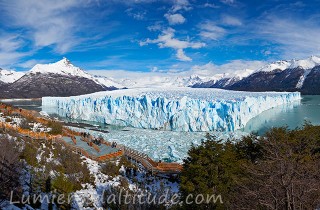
(307, 63)
(62, 67)
(65, 61)
(315, 58)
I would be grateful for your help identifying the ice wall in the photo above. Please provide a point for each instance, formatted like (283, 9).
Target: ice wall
(179, 109)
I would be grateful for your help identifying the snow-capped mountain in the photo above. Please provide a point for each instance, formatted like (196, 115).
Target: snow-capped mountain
(56, 79)
(291, 75)
(161, 80)
(9, 76)
(65, 67)
(181, 79)
(308, 63)
(106, 81)
(223, 80)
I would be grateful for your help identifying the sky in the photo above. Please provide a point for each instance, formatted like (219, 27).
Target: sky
(157, 35)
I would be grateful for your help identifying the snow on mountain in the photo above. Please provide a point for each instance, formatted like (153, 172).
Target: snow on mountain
(9, 76)
(282, 65)
(289, 68)
(176, 109)
(65, 67)
(161, 80)
(242, 73)
(308, 63)
(62, 67)
(204, 77)
(284, 75)
(303, 78)
(154, 81)
(223, 80)
(181, 79)
(106, 81)
(136, 80)
(237, 75)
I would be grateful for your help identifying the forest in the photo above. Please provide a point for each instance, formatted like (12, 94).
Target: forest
(279, 170)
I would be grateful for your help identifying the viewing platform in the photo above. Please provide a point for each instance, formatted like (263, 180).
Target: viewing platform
(85, 144)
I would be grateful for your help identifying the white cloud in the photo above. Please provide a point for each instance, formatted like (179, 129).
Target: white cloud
(175, 19)
(229, 2)
(136, 15)
(266, 52)
(230, 20)
(211, 5)
(233, 67)
(209, 71)
(154, 69)
(180, 5)
(48, 22)
(10, 50)
(157, 26)
(295, 38)
(31, 63)
(182, 56)
(132, 2)
(167, 40)
(10, 43)
(210, 30)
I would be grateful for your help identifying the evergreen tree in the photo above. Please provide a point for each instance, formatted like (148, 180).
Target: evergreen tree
(211, 169)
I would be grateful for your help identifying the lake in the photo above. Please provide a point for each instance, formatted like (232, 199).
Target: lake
(293, 115)
(173, 146)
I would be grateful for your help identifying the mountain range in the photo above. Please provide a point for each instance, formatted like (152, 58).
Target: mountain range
(64, 79)
(290, 75)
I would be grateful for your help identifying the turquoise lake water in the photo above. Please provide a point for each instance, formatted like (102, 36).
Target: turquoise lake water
(292, 115)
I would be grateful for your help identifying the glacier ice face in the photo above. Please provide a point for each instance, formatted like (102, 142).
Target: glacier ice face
(178, 109)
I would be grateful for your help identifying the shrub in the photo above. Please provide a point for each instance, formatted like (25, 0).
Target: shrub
(10, 169)
(29, 153)
(25, 124)
(110, 168)
(56, 127)
(8, 119)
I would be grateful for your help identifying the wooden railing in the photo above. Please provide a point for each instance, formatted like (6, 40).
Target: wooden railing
(110, 156)
(148, 163)
(144, 159)
(58, 138)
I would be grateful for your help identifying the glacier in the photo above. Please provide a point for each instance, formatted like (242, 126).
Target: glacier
(170, 109)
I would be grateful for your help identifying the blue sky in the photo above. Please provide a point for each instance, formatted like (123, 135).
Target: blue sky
(157, 35)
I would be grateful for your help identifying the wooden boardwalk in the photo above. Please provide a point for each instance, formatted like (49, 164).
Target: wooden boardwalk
(148, 163)
(138, 157)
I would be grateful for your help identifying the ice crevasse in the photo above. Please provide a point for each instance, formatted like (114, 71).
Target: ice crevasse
(178, 109)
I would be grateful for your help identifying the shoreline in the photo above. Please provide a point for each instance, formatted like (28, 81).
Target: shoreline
(19, 99)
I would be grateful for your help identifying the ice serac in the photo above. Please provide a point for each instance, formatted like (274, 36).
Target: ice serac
(178, 109)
